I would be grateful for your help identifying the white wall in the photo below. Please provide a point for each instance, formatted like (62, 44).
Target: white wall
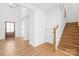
(31, 28)
(8, 14)
(40, 22)
(26, 28)
(72, 10)
(55, 17)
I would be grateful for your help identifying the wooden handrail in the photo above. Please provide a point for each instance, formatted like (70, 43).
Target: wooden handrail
(56, 27)
(54, 41)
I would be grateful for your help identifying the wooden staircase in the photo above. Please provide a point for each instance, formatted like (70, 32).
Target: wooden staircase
(70, 39)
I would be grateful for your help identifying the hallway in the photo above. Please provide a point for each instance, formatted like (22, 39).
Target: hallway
(37, 28)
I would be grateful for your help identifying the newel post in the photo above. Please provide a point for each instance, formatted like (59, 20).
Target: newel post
(54, 41)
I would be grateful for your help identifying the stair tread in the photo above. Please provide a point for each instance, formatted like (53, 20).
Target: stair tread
(70, 51)
(71, 41)
(68, 39)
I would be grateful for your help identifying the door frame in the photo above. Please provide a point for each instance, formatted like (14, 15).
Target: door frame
(5, 27)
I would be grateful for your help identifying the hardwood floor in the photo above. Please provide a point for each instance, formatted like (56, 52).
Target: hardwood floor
(69, 45)
(70, 39)
(19, 47)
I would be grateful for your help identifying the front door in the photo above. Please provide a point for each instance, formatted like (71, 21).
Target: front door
(9, 29)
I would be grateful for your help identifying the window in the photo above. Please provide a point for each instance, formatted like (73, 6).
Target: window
(10, 27)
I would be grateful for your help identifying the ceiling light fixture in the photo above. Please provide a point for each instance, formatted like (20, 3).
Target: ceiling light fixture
(12, 5)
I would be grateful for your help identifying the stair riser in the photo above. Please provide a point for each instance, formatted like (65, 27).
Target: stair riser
(73, 34)
(73, 31)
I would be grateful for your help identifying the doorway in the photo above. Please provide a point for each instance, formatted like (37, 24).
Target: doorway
(9, 29)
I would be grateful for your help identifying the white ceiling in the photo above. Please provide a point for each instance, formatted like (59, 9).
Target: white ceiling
(46, 6)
